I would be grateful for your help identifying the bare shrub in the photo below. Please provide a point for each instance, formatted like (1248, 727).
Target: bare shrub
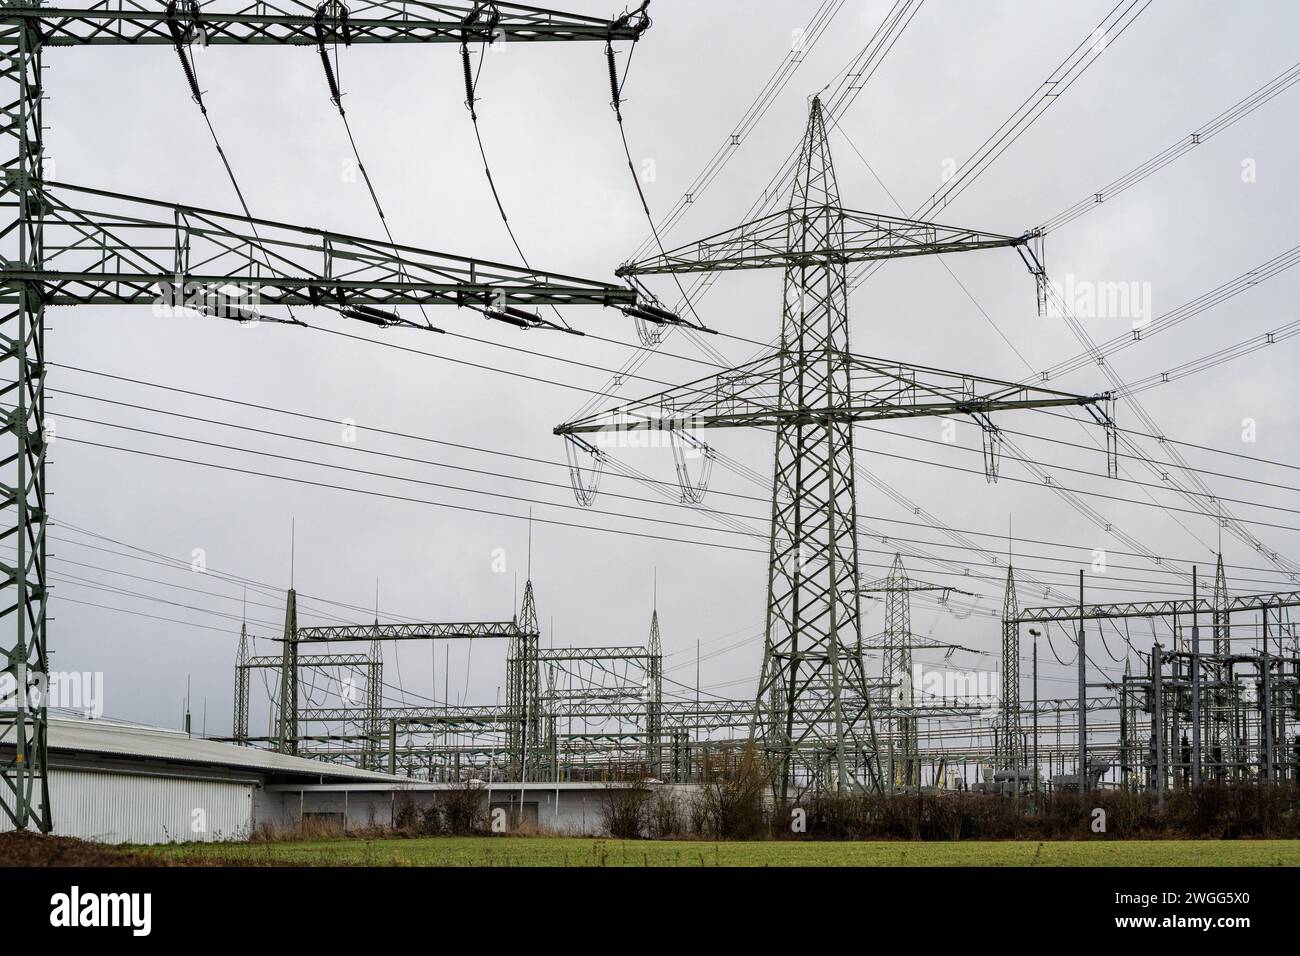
(664, 815)
(459, 811)
(624, 806)
(406, 817)
(732, 800)
(1212, 811)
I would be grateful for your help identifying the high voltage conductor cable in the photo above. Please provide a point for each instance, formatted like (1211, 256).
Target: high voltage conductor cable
(1205, 300)
(892, 539)
(503, 313)
(181, 37)
(1238, 111)
(1092, 350)
(76, 580)
(1084, 471)
(463, 508)
(1111, 28)
(1213, 360)
(121, 610)
(1068, 70)
(373, 493)
(260, 407)
(1092, 494)
(363, 340)
(639, 311)
(1234, 524)
(853, 78)
(817, 24)
(1075, 64)
(338, 12)
(1098, 353)
(59, 561)
(177, 564)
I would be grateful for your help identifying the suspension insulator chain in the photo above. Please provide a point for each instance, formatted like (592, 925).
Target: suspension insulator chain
(614, 101)
(469, 78)
(180, 37)
(336, 94)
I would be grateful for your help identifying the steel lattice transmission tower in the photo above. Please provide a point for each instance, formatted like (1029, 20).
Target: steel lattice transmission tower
(813, 713)
(523, 689)
(240, 729)
(72, 245)
(1224, 702)
(1009, 751)
(654, 697)
(903, 749)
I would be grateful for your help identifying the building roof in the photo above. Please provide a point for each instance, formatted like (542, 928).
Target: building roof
(114, 739)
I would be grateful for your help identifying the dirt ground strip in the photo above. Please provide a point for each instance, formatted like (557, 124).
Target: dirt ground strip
(23, 848)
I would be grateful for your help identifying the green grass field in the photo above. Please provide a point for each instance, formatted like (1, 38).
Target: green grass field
(585, 851)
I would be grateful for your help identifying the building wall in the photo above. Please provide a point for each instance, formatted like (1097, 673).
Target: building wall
(139, 808)
(575, 812)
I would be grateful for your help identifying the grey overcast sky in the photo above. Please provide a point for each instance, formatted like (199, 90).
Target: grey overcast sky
(122, 119)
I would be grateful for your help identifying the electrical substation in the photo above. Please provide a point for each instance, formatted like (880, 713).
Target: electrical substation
(1187, 680)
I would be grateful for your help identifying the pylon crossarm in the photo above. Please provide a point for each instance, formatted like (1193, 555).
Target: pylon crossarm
(708, 402)
(135, 23)
(878, 642)
(880, 390)
(109, 248)
(764, 243)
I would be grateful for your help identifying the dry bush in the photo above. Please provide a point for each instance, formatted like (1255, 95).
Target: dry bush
(458, 812)
(624, 806)
(1213, 811)
(310, 827)
(731, 804)
(664, 817)
(406, 816)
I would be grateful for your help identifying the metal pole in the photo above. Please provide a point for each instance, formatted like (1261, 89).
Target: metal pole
(1266, 690)
(1196, 688)
(1083, 699)
(392, 747)
(1035, 636)
(1158, 720)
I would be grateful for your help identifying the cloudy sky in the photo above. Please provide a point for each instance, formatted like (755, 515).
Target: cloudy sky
(122, 119)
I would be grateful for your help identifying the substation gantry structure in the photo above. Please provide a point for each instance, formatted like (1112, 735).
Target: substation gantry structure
(521, 740)
(813, 709)
(1226, 709)
(898, 709)
(73, 245)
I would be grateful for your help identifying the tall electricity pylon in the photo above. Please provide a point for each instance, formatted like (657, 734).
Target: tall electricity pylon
(1010, 755)
(654, 697)
(523, 690)
(902, 748)
(813, 713)
(72, 245)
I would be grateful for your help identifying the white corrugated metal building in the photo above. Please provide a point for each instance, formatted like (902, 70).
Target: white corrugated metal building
(125, 783)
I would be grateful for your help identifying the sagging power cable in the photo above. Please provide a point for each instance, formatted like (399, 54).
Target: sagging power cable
(330, 23)
(185, 23)
(482, 20)
(651, 311)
